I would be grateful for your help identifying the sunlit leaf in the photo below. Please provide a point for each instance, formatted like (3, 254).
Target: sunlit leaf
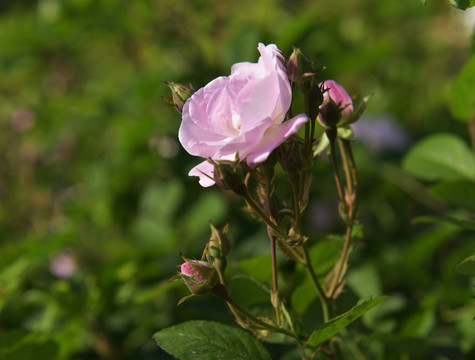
(462, 99)
(441, 157)
(336, 324)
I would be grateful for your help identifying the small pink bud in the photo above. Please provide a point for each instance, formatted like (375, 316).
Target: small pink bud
(187, 270)
(338, 95)
(199, 276)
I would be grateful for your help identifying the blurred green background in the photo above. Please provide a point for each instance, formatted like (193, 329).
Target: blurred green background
(95, 202)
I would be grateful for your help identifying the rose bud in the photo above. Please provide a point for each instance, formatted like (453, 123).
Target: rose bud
(199, 276)
(180, 94)
(299, 66)
(336, 103)
(219, 245)
(228, 176)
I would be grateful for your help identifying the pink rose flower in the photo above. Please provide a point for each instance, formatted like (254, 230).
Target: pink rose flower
(242, 113)
(338, 94)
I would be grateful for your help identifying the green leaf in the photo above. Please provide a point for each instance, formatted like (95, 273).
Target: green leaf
(209, 340)
(459, 193)
(345, 132)
(462, 100)
(336, 324)
(462, 4)
(324, 254)
(462, 223)
(440, 157)
(19, 345)
(259, 267)
(466, 266)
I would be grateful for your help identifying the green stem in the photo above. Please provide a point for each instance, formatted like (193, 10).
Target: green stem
(320, 293)
(258, 321)
(277, 231)
(335, 169)
(346, 167)
(341, 262)
(351, 183)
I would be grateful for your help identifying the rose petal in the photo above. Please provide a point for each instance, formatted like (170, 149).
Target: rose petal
(245, 140)
(205, 171)
(271, 98)
(274, 137)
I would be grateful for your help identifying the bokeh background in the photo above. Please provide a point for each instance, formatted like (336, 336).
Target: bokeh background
(95, 202)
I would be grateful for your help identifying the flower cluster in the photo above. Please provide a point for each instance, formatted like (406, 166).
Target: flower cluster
(243, 126)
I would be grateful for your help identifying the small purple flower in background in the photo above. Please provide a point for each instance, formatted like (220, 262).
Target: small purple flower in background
(23, 119)
(323, 216)
(381, 133)
(63, 266)
(240, 114)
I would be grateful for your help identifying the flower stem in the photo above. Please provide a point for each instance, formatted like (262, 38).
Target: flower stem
(335, 168)
(281, 237)
(320, 293)
(351, 185)
(258, 321)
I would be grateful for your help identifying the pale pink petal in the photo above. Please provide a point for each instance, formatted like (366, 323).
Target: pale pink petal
(197, 141)
(245, 140)
(271, 57)
(274, 137)
(270, 98)
(205, 171)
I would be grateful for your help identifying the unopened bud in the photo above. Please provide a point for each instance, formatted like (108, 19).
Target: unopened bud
(219, 244)
(330, 114)
(228, 176)
(199, 276)
(180, 93)
(299, 66)
(336, 103)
